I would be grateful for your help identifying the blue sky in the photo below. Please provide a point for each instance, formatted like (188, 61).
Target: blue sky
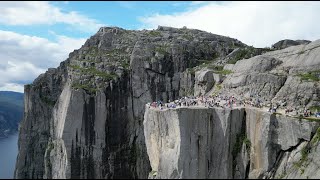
(124, 14)
(35, 36)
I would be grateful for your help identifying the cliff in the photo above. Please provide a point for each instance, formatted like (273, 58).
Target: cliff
(84, 119)
(230, 143)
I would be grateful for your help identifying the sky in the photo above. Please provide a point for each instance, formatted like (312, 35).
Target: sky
(37, 35)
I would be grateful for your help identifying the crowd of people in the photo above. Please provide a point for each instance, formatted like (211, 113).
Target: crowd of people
(224, 101)
(206, 101)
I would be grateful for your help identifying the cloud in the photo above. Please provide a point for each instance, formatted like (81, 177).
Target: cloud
(198, 2)
(255, 23)
(12, 87)
(43, 13)
(24, 57)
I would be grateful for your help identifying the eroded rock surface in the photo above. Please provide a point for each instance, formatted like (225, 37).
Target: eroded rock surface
(225, 143)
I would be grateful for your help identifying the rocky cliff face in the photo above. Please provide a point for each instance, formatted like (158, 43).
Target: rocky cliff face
(243, 142)
(84, 119)
(225, 143)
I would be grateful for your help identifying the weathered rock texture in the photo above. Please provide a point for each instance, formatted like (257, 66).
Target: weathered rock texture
(225, 143)
(84, 119)
(287, 43)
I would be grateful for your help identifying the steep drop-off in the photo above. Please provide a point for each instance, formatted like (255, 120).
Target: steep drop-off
(230, 143)
(84, 119)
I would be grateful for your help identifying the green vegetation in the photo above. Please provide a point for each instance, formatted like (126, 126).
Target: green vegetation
(28, 86)
(154, 33)
(214, 67)
(86, 87)
(161, 49)
(188, 37)
(219, 69)
(312, 75)
(247, 142)
(217, 87)
(224, 72)
(311, 118)
(153, 173)
(243, 53)
(304, 157)
(301, 52)
(315, 108)
(47, 159)
(282, 175)
(241, 139)
(191, 70)
(47, 100)
(95, 72)
(316, 137)
(125, 64)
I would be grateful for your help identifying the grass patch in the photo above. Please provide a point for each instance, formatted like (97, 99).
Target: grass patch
(311, 118)
(191, 70)
(188, 37)
(282, 176)
(154, 33)
(312, 76)
(315, 108)
(218, 87)
(85, 87)
(243, 53)
(224, 72)
(316, 137)
(47, 100)
(304, 157)
(125, 64)
(95, 72)
(216, 68)
(74, 66)
(161, 50)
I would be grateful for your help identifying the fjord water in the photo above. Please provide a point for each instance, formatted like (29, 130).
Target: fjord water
(8, 155)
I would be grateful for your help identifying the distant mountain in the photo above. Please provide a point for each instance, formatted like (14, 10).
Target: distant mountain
(11, 112)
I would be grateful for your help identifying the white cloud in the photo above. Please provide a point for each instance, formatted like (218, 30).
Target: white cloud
(255, 23)
(12, 87)
(41, 12)
(24, 57)
(198, 2)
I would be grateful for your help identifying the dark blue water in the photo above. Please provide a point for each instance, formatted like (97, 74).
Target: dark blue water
(8, 156)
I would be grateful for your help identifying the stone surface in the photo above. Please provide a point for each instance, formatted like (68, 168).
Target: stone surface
(287, 43)
(87, 119)
(92, 106)
(220, 143)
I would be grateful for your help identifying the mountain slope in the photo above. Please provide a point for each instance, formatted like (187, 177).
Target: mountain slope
(11, 112)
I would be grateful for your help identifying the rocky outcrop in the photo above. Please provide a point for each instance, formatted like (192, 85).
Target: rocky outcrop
(287, 43)
(84, 118)
(289, 75)
(225, 143)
